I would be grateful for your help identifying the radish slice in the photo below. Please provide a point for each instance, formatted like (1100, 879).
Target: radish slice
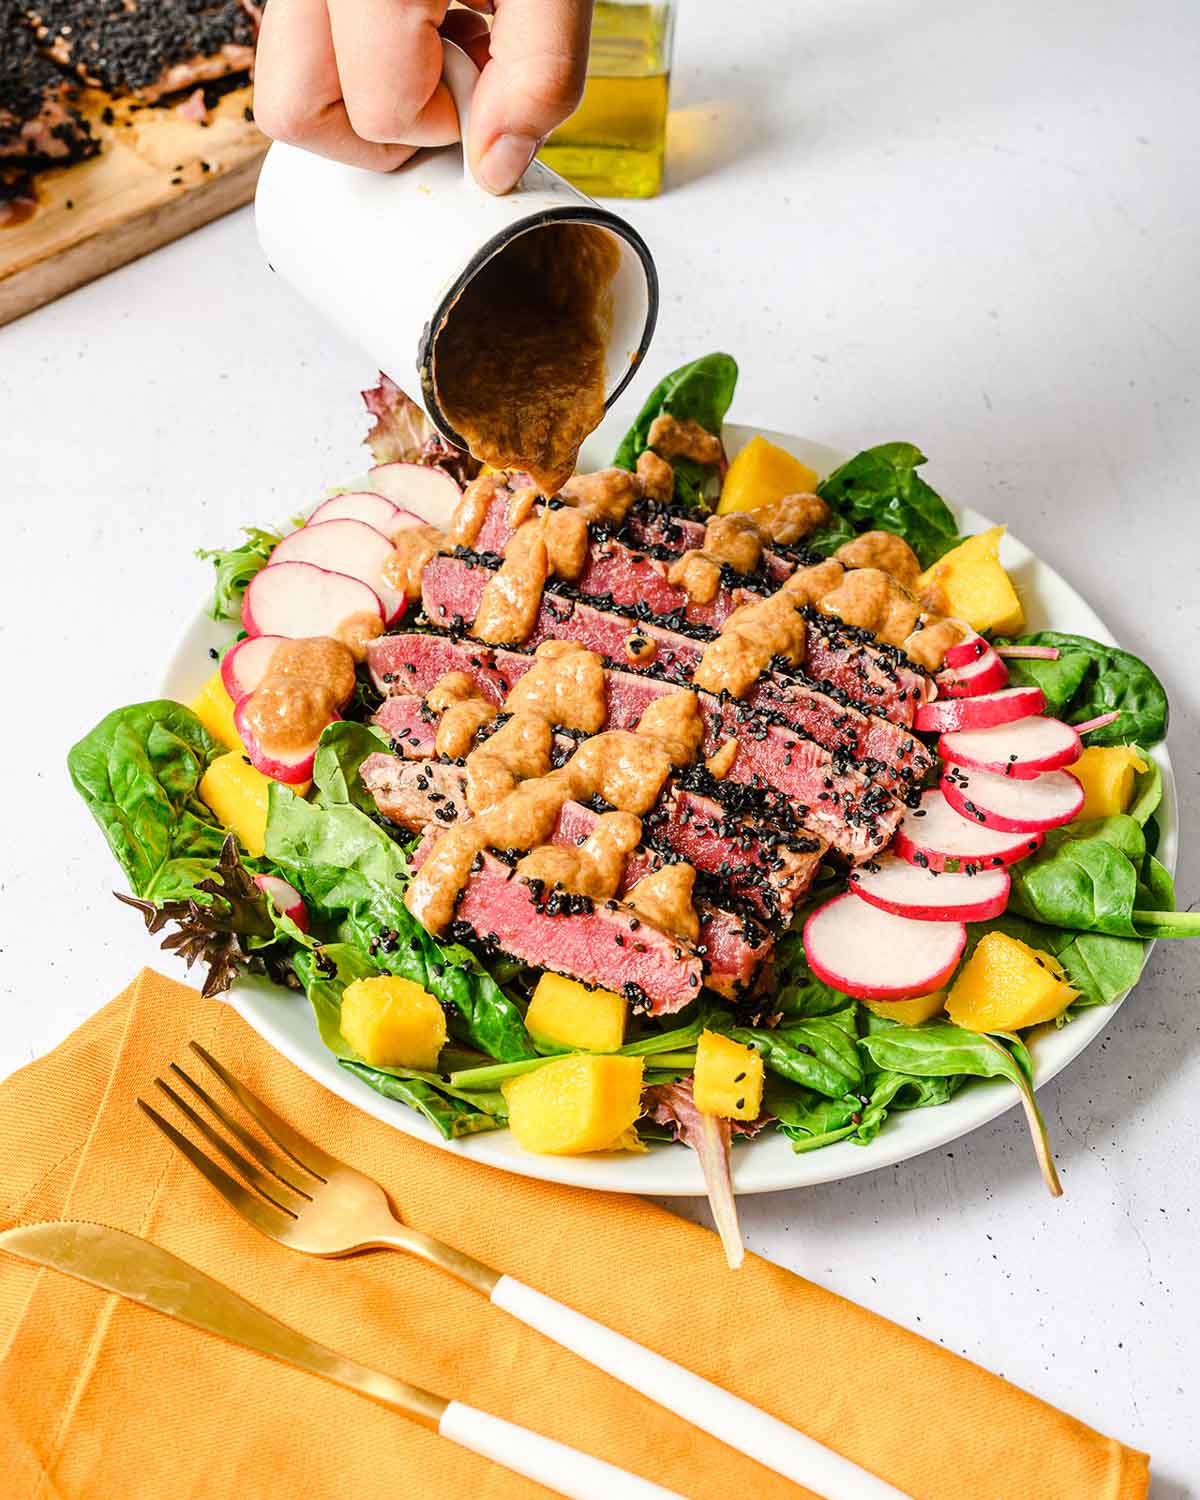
(926, 896)
(298, 599)
(1010, 805)
(288, 766)
(431, 492)
(1024, 750)
(350, 547)
(357, 505)
(966, 651)
(983, 711)
(984, 675)
(243, 666)
(875, 955)
(284, 897)
(934, 836)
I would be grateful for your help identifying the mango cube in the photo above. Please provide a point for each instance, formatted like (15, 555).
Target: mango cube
(1006, 985)
(910, 1012)
(970, 584)
(728, 1079)
(567, 1012)
(393, 1023)
(762, 473)
(237, 794)
(1108, 773)
(575, 1104)
(213, 706)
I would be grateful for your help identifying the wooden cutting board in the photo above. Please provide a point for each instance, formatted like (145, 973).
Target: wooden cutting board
(158, 176)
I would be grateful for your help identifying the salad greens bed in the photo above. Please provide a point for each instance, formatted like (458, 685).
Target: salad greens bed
(836, 1071)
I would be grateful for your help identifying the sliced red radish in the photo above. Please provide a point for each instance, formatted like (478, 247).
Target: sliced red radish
(282, 765)
(1025, 749)
(431, 492)
(345, 546)
(298, 599)
(984, 711)
(983, 675)
(285, 898)
(874, 955)
(892, 884)
(243, 666)
(966, 651)
(934, 835)
(357, 505)
(1010, 805)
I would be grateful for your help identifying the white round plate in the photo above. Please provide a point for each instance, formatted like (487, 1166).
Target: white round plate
(283, 1018)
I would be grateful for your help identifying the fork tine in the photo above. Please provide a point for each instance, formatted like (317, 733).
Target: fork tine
(277, 1191)
(302, 1151)
(265, 1216)
(277, 1165)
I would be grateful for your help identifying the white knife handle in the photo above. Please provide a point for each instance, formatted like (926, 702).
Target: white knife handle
(736, 1422)
(558, 1467)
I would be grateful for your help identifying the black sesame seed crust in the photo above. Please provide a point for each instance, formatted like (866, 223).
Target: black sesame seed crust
(38, 124)
(128, 46)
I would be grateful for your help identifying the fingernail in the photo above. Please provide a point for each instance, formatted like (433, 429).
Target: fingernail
(504, 161)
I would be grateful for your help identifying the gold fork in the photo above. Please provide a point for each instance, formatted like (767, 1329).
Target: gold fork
(311, 1202)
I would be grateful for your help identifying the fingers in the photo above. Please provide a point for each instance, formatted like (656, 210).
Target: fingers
(389, 59)
(297, 92)
(532, 82)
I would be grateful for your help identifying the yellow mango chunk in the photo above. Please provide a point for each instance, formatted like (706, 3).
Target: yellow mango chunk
(575, 1104)
(1107, 773)
(567, 1012)
(1006, 985)
(729, 1078)
(761, 473)
(393, 1023)
(213, 706)
(237, 794)
(910, 1012)
(970, 583)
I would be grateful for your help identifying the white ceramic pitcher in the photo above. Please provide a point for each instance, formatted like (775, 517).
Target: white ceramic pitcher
(386, 255)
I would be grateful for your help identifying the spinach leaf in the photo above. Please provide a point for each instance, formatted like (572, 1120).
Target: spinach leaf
(235, 567)
(701, 392)
(1147, 793)
(1090, 679)
(880, 490)
(343, 747)
(450, 1110)
(353, 877)
(139, 772)
(821, 1052)
(1098, 877)
(811, 1121)
(940, 1049)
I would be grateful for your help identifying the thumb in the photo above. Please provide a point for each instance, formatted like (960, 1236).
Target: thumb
(531, 83)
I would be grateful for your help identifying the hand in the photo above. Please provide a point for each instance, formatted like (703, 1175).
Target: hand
(360, 80)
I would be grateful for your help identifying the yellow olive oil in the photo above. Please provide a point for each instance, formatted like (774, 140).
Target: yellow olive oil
(614, 143)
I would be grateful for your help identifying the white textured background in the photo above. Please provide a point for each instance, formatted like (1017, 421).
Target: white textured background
(973, 226)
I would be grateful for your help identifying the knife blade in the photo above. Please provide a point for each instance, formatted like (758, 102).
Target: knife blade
(135, 1269)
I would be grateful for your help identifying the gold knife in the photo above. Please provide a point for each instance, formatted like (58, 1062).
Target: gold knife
(141, 1272)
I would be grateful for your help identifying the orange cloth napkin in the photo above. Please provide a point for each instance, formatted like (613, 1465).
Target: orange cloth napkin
(103, 1400)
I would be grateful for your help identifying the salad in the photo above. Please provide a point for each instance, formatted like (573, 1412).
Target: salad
(700, 799)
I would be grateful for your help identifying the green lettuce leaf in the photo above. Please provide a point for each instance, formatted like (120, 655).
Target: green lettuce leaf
(701, 392)
(139, 772)
(1090, 679)
(880, 490)
(235, 567)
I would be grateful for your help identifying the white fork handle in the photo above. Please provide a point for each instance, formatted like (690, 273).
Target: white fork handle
(736, 1422)
(558, 1467)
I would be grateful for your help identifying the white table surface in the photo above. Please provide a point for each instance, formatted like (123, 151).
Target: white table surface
(972, 226)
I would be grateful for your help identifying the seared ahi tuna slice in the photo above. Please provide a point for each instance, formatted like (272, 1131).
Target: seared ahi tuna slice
(840, 658)
(410, 725)
(827, 795)
(600, 943)
(733, 947)
(416, 794)
(39, 123)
